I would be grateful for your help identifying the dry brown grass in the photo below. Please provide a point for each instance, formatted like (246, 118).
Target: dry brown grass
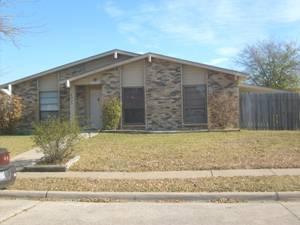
(212, 184)
(16, 144)
(189, 151)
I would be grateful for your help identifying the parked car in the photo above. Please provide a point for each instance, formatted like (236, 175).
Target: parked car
(7, 170)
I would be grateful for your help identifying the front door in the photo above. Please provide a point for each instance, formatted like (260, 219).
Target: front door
(95, 108)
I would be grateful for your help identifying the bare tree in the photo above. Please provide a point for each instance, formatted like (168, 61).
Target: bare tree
(272, 64)
(8, 29)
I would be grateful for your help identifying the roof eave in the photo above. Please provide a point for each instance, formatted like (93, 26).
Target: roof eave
(106, 68)
(68, 65)
(135, 58)
(146, 55)
(201, 65)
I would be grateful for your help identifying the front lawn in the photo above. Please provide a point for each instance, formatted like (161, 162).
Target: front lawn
(16, 144)
(189, 151)
(212, 184)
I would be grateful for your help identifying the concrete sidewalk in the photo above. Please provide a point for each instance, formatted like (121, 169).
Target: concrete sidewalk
(16, 212)
(163, 174)
(28, 158)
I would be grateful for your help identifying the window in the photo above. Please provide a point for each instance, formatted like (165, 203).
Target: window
(48, 104)
(194, 104)
(133, 105)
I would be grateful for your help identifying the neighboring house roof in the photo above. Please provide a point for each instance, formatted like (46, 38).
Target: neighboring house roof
(259, 89)
(135, 57)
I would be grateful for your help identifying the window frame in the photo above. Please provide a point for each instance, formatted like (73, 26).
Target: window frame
(205, 109)
(48, 111)
(142, 108)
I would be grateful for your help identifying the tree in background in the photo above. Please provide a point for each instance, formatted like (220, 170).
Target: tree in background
(8, 29)
(272, 64)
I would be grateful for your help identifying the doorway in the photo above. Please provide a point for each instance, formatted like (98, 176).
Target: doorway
(95, 108)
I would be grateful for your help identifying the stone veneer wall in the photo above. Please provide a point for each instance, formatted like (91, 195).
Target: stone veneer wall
(81, 105)
(64, 92)
(163, 95)
(64, 102)
(72, 72)
(223, 101)
(28, 92)
(110, 82)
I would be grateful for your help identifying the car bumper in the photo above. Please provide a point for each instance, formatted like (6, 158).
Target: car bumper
(7, 176)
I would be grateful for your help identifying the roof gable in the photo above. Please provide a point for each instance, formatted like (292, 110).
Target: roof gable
(163, 57)
(132, 58)
(75, 64)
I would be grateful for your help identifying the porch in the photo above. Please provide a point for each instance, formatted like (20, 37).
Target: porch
(87, 96)
(86, 105)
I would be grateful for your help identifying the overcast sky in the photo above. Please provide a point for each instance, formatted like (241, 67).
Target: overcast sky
(208, 31)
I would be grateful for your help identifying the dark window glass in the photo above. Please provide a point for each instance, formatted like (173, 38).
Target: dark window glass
(48, 105)
(133, 105)
(46, 115)
(194, 104)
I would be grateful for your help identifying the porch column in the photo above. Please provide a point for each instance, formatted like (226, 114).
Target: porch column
(72, 102)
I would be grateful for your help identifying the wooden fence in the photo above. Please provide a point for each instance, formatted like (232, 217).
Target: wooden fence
(276, 111)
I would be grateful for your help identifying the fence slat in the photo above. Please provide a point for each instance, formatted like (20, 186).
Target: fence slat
(273, 111)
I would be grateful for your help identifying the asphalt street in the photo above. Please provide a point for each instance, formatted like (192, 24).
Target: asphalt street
(27, 212)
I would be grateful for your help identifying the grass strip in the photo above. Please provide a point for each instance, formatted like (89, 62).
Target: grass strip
(212, 184)
(16, 144)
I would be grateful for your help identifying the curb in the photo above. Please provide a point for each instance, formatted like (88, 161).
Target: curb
(44, 168)
(153, 196)
(50, 168)
(23, 194)
(125, 131)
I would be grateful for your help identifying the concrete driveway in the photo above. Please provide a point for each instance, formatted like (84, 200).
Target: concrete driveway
(27, 212)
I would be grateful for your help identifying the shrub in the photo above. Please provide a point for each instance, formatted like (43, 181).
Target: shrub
(111, 113)
(10, 113)
(223, 110)
(56, 139)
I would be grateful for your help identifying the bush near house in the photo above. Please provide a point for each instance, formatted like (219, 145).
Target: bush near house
(56, 139)
(224, 103)
(10, 113)
(111, 114)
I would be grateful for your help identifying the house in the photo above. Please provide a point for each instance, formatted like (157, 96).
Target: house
(157, 92)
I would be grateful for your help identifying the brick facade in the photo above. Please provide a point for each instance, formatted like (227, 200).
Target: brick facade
(82, 99)
(64, 102)
(223, 101)
(163, 95)
(109, 82)
(28, 92)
